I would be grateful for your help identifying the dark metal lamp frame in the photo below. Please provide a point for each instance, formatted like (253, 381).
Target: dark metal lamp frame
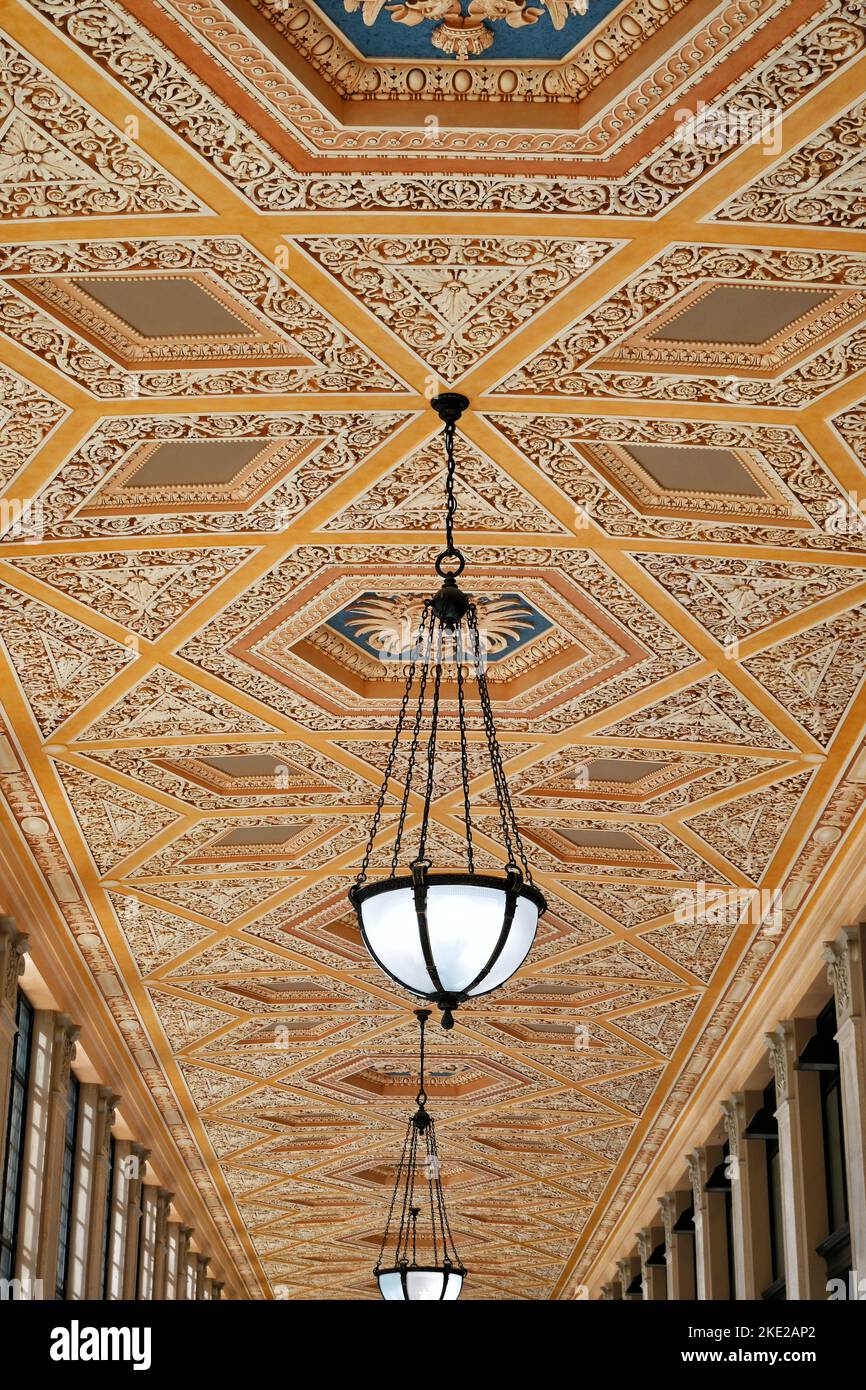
(448, 625)
(419, 1150)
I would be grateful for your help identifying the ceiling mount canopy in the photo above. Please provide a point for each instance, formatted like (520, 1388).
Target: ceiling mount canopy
(418, 1260)
(447, 934)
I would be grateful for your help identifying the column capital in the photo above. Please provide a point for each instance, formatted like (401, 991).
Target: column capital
(164, 1199)
(66, 1034)
(780, 1047)
(14, 946)
(844, 957)
(667, 1207)
(695, 1165)
(733, 1110)
(106, 1107)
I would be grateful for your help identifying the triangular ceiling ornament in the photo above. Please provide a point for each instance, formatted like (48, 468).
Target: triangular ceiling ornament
(217, 899)
(454, 299)
(60, 159)
(114, 822)
(60, 664)
(749, 831)
(733, 598)
(411, 497)
(711, 711)
(816, 674)
(146, 591)
(165, 704)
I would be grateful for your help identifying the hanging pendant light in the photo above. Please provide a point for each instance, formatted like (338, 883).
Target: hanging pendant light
(447, 935)
(424, 1264)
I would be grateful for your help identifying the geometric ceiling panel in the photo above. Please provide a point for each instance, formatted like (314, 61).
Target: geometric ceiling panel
(216, 473)
(145, 591)
(154, 936)
(748, 831)
(60, 663)
(220, 899)
(278, 340)
(227, 775)
(164, 703)
(556, 633)
(289, 139)
(768, 324)
(706, 480)
(115, 822)
(27, 418)
(597, 777)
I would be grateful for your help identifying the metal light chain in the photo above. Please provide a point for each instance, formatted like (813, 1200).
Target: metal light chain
(431, 751)
(400, 1168)
(392, 754)
(450, 552)
(464, 753)
(426, 640)
(510, 829)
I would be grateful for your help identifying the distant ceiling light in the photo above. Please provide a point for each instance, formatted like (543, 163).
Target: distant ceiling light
(424, 1265)
(447, 935)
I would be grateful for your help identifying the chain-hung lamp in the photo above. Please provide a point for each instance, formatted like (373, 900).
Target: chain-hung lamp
(418, 1260)
(444, 934)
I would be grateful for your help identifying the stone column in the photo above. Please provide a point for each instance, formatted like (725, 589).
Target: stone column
(82, 1213)
(750, 1219)
(13, 948)
(63, 1052)
(202, 1262)
(629, 1269)
(679, 1248)
(135, 1165)
(711, 1240)
(801, 1161)
(217, 1286)
(105, 1104)
(846, 960)
(124, 1162)
(160, 1258)
(172, 1241)
(184, 1235)
(654, 1277)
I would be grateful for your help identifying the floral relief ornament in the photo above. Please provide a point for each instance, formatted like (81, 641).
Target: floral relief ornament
(465, 32)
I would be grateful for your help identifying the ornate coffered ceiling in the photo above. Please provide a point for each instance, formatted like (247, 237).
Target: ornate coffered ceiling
(243, 241)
